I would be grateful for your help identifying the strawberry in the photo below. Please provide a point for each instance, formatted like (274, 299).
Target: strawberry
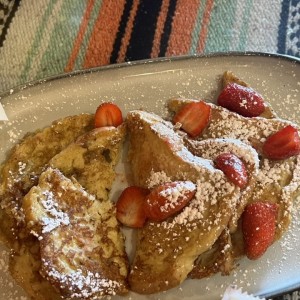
(242, 100)
(233, 167)
(167, 199)
(193, 117)
(108, 114)
(282, 144)
(258, 227)
(130, 211)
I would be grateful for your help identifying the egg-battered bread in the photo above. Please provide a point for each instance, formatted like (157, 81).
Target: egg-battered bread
(92, 159)
(81, 250)
(277, 181)
(165, 252)
(26, 161)
(90, 156)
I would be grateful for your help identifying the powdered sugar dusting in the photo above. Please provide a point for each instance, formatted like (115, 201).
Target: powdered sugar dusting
(172, 194)
(55, 216)
(84, 286)
(231, 125)
(157, 178)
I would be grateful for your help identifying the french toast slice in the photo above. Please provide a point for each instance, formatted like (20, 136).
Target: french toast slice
(166, 251)
(277, 181)
(211, 148)
(92, 158)
(26, 162)
(24, 266)
(81, 250)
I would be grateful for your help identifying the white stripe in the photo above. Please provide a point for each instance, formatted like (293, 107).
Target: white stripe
(263, 26)
(53, 18)
(12, 55)
(238, 23)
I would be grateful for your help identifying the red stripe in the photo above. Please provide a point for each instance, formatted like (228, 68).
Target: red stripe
(128, 31)
(182, 27)
(80, 35)
(161, 20)
(204, 26)
(104, 33)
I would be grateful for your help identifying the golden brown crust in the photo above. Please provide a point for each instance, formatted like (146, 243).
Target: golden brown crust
(92, 159)
(27, 161)
(71, 141)
(219, 258)
(82, 252)
(166, 251)
(277, 181)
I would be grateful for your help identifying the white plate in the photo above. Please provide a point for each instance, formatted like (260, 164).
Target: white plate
(148, 84)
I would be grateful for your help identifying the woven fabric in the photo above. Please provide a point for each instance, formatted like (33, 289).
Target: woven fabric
(47, 37)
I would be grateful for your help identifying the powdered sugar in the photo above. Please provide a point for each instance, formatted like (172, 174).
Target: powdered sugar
(83, 284)
(172, 194)
(157, 178)
(55, 216)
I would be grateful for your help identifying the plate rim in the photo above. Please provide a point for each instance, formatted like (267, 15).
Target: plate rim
(29, 84)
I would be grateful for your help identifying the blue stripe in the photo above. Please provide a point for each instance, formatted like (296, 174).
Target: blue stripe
(121, 31)
(143, 30)
(282, 29)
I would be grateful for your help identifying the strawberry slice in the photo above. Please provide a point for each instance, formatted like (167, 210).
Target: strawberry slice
(167, 199)
(233, 167)
(242, 100)
(108, 114)
(258, 227)
(193, 117)
(282, 144)
(130, 206)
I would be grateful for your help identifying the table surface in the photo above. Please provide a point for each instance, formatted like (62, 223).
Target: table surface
(49, 37)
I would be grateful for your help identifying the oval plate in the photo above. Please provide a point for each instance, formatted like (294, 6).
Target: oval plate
(147, 85)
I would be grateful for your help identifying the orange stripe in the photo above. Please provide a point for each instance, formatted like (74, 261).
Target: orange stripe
(80, 35)
(128, 31)
(104, 33)
(182, 27)
(204, 25)
(160, 27)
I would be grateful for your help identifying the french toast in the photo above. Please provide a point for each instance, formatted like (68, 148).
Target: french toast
(24, 266)
(277, 181)
(25, 163)
(81, 252)
(165, 252)
(91, 159)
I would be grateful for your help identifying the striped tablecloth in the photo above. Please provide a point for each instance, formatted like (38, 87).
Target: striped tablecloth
(39, 38)
(46, 37)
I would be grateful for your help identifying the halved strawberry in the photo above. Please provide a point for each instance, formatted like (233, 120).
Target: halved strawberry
(193, 117)
(282, 144)
(258, 227)
(167, 199)
(130, 206)
(242, 100)
(108, 114)
(233, 167)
